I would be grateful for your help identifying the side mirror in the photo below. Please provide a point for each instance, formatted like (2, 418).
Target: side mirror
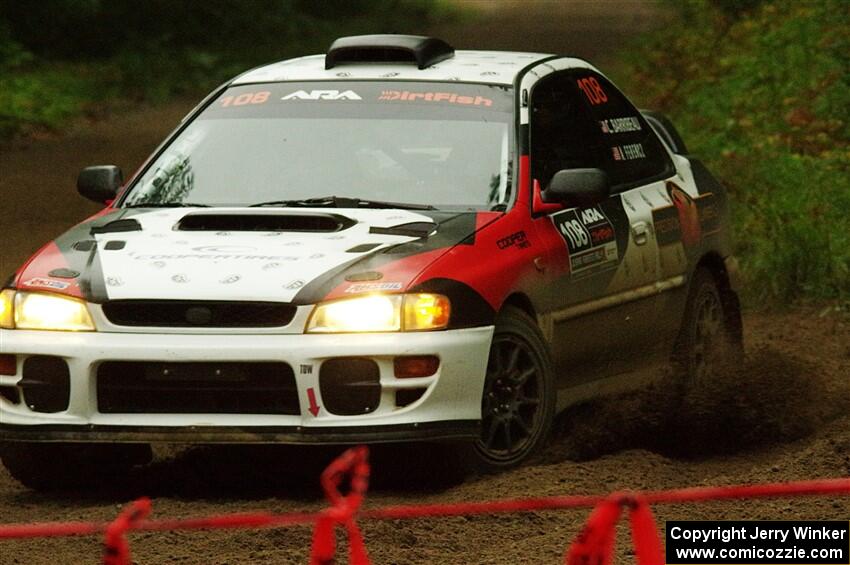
(577, 187)
(100, 183)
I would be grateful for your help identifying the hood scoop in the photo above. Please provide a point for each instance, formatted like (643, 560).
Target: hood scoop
(117, 226)
(411, 229)
(315, 223)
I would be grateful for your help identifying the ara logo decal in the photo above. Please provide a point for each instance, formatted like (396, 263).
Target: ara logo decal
(591, 216)
(323, 95)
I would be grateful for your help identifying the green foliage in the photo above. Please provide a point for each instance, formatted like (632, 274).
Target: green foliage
(763, 97)
(58, 55)
(45, 98)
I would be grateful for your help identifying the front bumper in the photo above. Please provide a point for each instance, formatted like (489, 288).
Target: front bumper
(450, 407)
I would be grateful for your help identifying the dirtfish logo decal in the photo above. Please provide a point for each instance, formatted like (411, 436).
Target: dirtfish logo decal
(323, 95)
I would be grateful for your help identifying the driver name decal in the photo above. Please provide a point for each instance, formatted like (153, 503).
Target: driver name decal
(620, 125)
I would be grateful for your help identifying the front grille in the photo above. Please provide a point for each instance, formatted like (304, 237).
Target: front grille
(198, 313)
(135, 387)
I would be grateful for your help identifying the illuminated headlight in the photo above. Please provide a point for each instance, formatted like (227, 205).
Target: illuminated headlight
(39, 311)
(381, 313)
(7, 309)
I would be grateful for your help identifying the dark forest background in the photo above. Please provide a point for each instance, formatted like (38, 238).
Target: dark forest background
(62, 57)
(760, 90)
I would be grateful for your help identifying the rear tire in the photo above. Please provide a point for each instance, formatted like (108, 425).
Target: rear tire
(709, 344)
(62, 466)
(518, 404)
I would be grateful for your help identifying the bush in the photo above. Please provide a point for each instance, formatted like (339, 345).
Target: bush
(762, 95)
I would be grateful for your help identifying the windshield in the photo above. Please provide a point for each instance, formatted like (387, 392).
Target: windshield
(446, 145)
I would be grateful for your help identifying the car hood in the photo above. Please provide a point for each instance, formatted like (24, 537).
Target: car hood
(282, 254)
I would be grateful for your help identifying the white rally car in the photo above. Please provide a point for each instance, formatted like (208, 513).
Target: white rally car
(393, 241)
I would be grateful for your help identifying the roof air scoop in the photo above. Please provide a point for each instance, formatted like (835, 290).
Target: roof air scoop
(419, 50)
(303, 222)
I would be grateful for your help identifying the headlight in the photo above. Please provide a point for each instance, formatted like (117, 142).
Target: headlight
(39, 311)
(7, 309)
(381, 313)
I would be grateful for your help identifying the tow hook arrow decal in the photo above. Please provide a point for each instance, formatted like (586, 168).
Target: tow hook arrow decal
(314, 407)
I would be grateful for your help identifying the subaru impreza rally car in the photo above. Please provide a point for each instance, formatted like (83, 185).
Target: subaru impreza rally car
(393, 241)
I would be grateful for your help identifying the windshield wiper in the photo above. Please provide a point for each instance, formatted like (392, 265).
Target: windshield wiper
(341, 202)
(167, 205)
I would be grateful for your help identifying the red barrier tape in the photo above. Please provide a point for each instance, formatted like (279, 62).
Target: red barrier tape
(593, 546)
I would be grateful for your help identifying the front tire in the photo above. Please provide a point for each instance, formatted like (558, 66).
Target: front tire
(518, 404)
(63, 466)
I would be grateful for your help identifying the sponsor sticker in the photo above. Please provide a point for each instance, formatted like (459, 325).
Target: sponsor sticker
(518, 239)
(686, 219)
(224, 249)
(41, 282)
(374, 287)
(446, 97)
(215, 257)
(590, 238)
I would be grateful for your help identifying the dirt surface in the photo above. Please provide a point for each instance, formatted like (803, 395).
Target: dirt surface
(782, 416)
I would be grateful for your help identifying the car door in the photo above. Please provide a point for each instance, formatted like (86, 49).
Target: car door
(606, 256)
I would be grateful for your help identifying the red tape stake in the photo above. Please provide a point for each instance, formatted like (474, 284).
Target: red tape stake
(645, 535)
(594, 545)
(354, 465)
(116, 550)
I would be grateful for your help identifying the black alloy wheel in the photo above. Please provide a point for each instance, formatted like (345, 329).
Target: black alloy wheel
(518, 401)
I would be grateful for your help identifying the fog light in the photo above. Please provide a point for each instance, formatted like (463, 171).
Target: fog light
(415, 366)
(8, 364)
